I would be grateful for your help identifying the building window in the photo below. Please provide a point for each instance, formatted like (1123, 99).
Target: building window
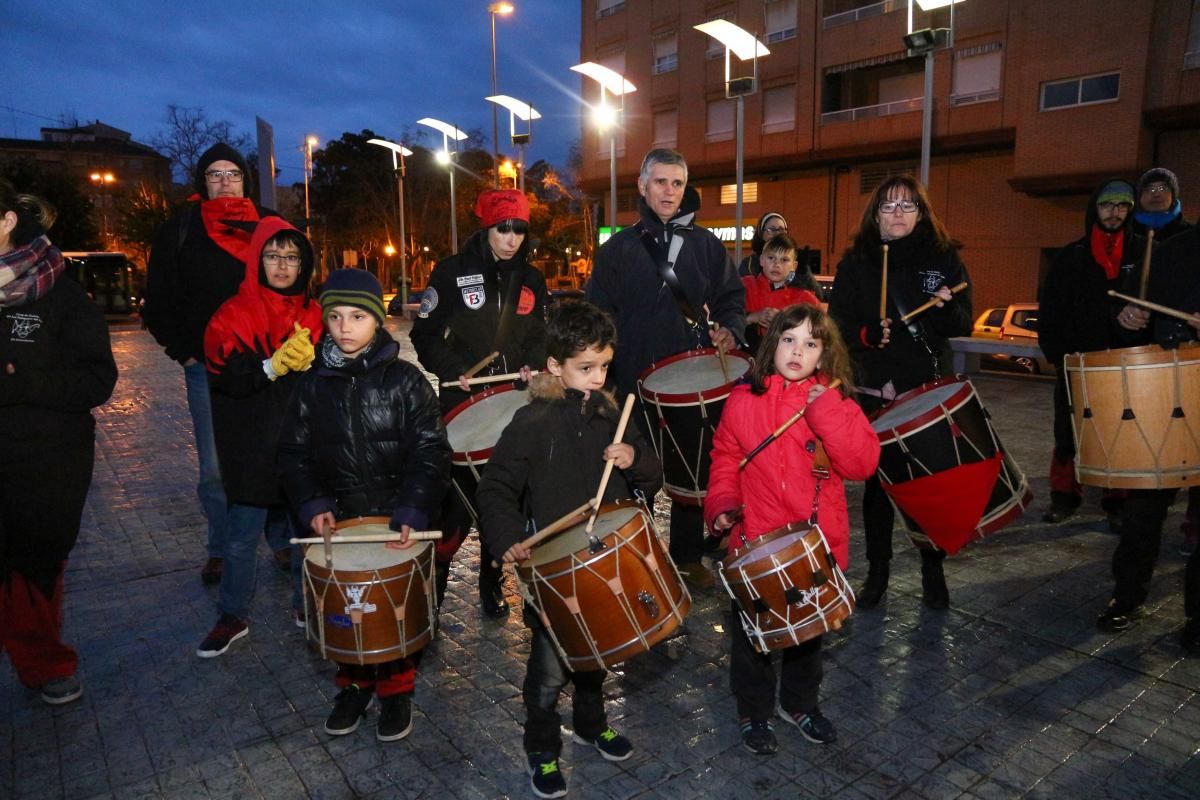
(666, 54)
(1191, 57)
(720, 121)
(779, 109)
(729, 193)
(780, 20)
(666, 128)
(606, 8)
(874, 90)
(977, 77)
(1085, 91)
(715, 48)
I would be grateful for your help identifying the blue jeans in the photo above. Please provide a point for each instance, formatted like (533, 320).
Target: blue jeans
(239, 576)
(282, 527)
(212, 493)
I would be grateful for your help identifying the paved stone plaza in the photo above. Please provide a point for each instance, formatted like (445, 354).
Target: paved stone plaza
(1012, 692)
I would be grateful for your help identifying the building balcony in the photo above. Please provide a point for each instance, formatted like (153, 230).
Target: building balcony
(864, 12)
(871, 112)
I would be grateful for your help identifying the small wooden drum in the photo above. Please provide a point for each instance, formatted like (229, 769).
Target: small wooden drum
(683, 396)
(1135, 415)
(943, 466)
(376, 603)
(473, 428)
(606, 597)
(788, 587)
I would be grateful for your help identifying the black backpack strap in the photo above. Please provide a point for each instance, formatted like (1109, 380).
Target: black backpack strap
(664, 262)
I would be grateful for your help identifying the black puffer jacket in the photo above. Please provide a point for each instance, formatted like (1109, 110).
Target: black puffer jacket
(916, 269)
(550, 459)
(365, 439)
(462, 309)
(1175, 282)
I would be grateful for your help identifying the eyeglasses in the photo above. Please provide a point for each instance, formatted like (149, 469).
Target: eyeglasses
(775, 230)
(517, 226)
(217, 175)
(1157, 188)
(890, 206)
(274, 258)
(1114, 206)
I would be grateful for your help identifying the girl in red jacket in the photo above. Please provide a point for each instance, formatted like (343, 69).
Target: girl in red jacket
(801, 355)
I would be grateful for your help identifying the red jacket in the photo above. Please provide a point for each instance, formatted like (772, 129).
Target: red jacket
(777, 487)
(760, 295)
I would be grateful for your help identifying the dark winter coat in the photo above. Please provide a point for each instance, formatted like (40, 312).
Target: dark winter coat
(1168, 231)
(1175, 282)
(550, 459)
(918, 351)
(463, 308)
(625, 282)
(365, 439)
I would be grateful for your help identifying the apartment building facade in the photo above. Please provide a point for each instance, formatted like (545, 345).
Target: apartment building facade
(1033, 104)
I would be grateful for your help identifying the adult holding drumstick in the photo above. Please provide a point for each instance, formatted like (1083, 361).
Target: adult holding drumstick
(483, 312)
(890, 356)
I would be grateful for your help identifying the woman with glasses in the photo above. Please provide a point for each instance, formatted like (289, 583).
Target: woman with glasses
(486, 299)
(890, 357)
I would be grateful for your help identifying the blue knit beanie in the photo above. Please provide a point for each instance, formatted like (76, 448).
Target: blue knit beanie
(353, 287)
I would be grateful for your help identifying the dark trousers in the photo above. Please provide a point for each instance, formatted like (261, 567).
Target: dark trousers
(879, 518)
(1191, 586)
(752, 675)
(1142, 516)
(687, 533)
(545, 678)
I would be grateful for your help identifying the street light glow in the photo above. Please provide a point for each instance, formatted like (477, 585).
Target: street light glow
(519, 108)
(311, 141)
(442, 156)
(739, 40)
(613, 82)
(501, 8)
(605, 116)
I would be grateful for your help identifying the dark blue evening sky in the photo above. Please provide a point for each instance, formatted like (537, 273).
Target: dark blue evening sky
(308, 67)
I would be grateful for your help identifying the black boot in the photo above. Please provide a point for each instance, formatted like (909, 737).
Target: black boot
(441, 576)
(875, 586)
(491, 588)
(933, 579)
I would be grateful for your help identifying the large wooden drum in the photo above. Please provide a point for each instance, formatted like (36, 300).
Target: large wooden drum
(1135, 415)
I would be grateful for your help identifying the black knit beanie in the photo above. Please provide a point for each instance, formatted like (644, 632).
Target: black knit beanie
(1157, 175)
(219, 152)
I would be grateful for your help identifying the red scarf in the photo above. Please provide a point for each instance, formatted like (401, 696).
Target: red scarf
(232, 240)
(1107, 249)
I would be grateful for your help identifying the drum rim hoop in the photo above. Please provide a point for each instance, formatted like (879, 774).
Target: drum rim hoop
(687, 398)
(762, 541)
(1077, 362)
(467, 458)
(964, 393)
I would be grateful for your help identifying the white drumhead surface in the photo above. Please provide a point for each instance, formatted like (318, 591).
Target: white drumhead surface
(357, 557)
(767, 550)
(576, 538)
(915, 407)
(694, 374)
(479, 426)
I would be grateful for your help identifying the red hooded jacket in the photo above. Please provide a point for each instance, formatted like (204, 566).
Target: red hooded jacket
(777, 487)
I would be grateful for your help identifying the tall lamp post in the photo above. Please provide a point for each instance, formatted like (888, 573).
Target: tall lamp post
(446, 156)
(309, 143)
(399, 153)
(741, 43)
(517, 109)
(925, 42)
(101, 180)
(614, 83)
(493, 10)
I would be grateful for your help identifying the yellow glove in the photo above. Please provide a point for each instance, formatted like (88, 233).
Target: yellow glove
(279, 361)
(298, 351)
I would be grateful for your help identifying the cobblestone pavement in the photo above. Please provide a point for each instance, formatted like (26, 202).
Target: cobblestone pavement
(1012, 692)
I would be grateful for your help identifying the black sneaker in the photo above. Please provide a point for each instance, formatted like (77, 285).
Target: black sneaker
(814, 725)
(1118, 618)
(58, 691)
(227, 631)
(545, 777)
(610, 744)
(395, 718)
(349, 707)
(759, 737)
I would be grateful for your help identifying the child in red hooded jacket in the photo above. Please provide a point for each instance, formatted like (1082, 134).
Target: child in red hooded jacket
(801, 355)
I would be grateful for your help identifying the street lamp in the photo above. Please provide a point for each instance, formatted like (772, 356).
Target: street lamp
(399, 153)
(614, 83)
(309, 143)
(493, 10)
(924, 42)
(517, 109)
(445, 156)
(741, 43)
(100, 180)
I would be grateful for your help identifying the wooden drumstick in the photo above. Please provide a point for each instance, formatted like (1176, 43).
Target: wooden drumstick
(883, 286)
(1144, 287)
(779, 431)
(720, 356)
(931, 303)
(508, 376)
(563, 522)
(483, 362)
(608, 467)
(415, 536)
(1165, 310)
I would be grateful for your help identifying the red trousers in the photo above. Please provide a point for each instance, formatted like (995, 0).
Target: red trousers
(30, 626)
(392, 677)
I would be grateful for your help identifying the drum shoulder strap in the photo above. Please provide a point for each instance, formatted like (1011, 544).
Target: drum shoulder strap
(821, 472)
(664, 261)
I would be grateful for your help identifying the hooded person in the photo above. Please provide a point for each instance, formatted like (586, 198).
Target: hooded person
(1076, 315)
(256, 346)
(771, 225)
(485, 299)
(1158, 207)
(196, 264)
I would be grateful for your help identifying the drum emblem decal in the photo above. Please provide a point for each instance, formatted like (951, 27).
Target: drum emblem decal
(429, 302)
(932, 280)
(474, 296)
(23, 325)
(355, 593)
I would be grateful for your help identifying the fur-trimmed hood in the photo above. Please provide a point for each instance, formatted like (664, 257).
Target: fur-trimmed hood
(548, 388)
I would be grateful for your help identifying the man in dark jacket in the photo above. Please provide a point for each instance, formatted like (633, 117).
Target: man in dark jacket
(655, 279)
(1078, 316)
(195, 266)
